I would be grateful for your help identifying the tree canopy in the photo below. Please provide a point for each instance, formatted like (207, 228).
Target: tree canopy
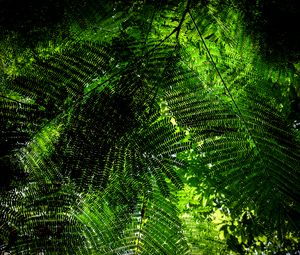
(149, 127)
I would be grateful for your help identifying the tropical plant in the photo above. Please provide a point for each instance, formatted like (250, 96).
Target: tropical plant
(150, 127)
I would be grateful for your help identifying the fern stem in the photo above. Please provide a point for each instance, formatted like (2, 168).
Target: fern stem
(213, 63)
(240, 115)
(14, 100)
(143, 208)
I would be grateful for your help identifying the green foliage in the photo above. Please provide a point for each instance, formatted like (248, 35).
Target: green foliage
(196, 213)
(146, 228)
(151, 128)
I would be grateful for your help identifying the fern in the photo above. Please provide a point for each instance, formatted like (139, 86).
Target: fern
(101, 132)
(250, 150)
(36, 219)
(149, 227)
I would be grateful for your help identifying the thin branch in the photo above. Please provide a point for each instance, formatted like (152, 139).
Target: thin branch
(187, 8)
(240, 115)
(213, 63)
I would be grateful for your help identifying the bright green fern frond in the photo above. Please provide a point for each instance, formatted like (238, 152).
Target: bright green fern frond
(151, 227)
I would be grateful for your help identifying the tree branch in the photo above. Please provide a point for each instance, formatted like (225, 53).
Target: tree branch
(240, 115)
(183, 17)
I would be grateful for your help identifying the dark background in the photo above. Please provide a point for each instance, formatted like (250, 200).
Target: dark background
(274, 23)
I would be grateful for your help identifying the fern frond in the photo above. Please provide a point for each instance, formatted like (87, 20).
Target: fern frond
(36, 219)
(15, 128)
(150, 227)
(262, 165)
(248, 148)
